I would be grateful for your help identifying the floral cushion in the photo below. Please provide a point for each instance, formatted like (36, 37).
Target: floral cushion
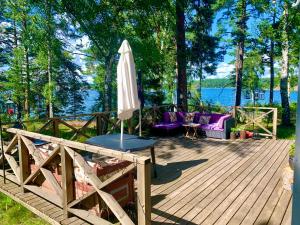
(204, 119)
(173, 117)
(189, 117)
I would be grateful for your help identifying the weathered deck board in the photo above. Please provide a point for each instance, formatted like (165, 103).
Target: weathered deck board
(231, 186)
(203, 181)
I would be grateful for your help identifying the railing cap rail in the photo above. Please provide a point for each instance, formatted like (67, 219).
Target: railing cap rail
(84, 147)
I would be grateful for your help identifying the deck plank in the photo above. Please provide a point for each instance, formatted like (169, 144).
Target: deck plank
(202, 181)
(201, 198)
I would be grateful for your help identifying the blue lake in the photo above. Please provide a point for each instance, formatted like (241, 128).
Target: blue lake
(222, 96)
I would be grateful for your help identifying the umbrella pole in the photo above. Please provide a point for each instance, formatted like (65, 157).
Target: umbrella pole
(140, 121)
(122, 132)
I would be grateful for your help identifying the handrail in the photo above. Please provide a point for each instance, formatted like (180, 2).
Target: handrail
(64, 195)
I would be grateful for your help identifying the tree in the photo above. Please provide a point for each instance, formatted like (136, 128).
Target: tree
(237, 13)
(284, 78)
(181, 54)
(202, 46)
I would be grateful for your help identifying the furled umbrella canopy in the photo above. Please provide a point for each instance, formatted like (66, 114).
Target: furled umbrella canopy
(128, 100)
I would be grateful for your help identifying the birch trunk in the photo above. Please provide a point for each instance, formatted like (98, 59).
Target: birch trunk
(284, 79)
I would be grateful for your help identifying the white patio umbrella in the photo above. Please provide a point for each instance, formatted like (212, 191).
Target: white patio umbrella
(128, 100)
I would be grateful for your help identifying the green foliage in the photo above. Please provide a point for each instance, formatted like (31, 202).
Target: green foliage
(12, 213)
(292, 151)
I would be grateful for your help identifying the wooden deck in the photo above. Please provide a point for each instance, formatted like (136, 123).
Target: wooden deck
(219, 182)
(204, 181)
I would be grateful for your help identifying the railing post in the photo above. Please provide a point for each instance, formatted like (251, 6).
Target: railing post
(23, 163)
(129, 122)
(144, 191)
(55, 128)
(68, 185)
(98, 125)
(275, 123)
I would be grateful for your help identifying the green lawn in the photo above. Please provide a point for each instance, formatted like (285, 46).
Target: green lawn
(12, 213)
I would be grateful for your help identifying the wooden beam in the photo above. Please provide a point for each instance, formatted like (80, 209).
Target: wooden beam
(109, 200)
(144, 193)
(68, 183)
(33, 150)
(55, 127)
(49, 196)
(50, 177)
(44, 126)
(93, 219)
(23, 162)
(13, 165)
(81, 146)
(12, 144)
(44, 163)
(80, 199)
(275, 112)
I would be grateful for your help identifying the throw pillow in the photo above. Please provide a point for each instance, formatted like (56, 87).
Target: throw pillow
(189, 117)
(204, 119)
(173, 117)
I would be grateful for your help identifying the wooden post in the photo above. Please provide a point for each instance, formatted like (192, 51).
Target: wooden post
(144, 191)
(55, 128)
(98, 125)
(275, 123)
(129, 122)
(23, 163)
(68, 184)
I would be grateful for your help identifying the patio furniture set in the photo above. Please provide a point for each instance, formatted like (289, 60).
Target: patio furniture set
(213, 125)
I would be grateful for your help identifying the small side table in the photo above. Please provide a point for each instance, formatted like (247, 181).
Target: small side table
(191, 130)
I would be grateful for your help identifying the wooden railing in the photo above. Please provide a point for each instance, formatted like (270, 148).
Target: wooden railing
(107, 122)
(21, 150)
(255, 115)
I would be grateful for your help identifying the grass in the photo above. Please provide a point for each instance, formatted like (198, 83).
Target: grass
(286, 132)
(12, 213)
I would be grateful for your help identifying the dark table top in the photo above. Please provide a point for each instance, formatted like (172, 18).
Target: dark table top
(131, 143)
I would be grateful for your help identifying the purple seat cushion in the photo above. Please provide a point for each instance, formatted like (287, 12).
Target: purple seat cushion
(180, 117)
(197, 117)
(222, 119)
(166, 117)
(211, 126)
(167, 126)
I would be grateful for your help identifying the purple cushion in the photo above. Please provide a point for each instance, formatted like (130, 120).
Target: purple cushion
(166, 117)
(215, 117)
(222, 119)
(197, 117)
(212, 126)
(180, 116)
(167, 126)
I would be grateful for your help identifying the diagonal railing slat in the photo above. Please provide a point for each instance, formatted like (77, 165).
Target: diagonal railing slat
(66, 156)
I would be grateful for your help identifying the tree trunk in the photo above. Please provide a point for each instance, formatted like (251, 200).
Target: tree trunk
(285, 70)
(200, 81)
(108, 84)
(19, 105)
(272, 74)
(27, 86)
(49, 59)
(181, 55)
(241, 36)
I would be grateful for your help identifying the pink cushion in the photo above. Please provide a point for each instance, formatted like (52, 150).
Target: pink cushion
(220, 123)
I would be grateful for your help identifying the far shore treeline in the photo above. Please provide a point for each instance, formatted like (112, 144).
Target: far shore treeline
(53, 51)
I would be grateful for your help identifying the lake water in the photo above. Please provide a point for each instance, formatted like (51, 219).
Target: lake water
(222, 96)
